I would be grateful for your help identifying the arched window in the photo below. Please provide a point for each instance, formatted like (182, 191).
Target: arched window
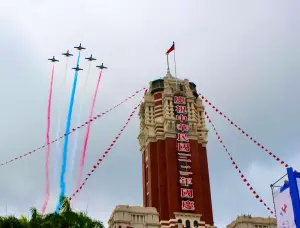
(187, 224)
(179, 221)
(196, 224)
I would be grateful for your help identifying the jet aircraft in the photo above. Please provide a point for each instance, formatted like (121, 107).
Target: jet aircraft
(77, 68)
(53, 59)
(67, 54)
(91, 58)
(101, 67)
(79, 48)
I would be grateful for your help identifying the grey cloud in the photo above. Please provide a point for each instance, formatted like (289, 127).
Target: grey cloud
(243, 55)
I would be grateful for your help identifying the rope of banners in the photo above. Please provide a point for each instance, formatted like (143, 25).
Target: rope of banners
(99, 161)
(244, 133)
(73, 129)
(242, 176)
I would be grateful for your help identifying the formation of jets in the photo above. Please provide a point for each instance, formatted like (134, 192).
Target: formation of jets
(77, 68)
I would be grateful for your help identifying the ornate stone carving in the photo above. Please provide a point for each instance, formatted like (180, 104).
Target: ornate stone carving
(167, 87)
(188, 91)
(152, 123)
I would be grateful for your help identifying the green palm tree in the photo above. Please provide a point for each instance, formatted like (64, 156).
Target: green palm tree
(83, 221)
(65, 219)
(9, 222)
(24, 221)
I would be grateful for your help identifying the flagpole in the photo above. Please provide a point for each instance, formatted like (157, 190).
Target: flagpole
(168, 71)
(175, 64)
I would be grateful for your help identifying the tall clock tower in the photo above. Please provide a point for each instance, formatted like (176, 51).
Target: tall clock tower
(173, 140)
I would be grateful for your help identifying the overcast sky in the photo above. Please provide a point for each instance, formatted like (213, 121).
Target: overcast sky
(243, 55)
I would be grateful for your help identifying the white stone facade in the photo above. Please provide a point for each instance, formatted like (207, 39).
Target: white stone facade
(125, 216)
(252, 222)
(158, 122)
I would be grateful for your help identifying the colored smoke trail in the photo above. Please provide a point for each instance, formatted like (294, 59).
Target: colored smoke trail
(48, 142)
(56, 153)
(65, 148)
(57, 147)
(75, 145)
(88, 131)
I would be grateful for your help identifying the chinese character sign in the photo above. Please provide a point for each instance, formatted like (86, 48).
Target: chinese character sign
(182, 137)
(187, 193)
(187, 205)
(185, 181)
(182, 127)
(179, 100)
(183, 150)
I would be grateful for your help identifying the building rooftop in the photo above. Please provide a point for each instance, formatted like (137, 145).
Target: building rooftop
(246, 219)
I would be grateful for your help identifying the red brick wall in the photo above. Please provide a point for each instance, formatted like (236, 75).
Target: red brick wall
(162, 179)
(163, 175)
(201, 183)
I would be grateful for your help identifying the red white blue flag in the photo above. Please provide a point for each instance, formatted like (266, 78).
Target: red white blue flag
(172, 48)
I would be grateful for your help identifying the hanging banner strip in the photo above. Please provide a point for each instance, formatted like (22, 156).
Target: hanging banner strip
(242, 176)
(105, 153)
(73, 129)
(244, 133)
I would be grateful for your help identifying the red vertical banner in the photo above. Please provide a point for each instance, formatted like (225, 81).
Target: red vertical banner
(183, 152)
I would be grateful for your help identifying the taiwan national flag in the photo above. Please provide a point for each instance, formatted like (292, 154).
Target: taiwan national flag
(172, 48)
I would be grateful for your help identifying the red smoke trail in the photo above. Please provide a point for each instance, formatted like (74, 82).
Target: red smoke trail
(96, 117)
(88, 131)
(48, 143)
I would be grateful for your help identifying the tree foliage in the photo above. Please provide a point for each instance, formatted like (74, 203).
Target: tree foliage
(65, 219)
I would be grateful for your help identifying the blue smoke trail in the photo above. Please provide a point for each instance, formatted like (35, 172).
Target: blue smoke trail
(65, 150)
(75, 146)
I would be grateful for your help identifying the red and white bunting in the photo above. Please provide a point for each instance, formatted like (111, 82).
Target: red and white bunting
(183, 150)
(244, 133)
(242, 176)
(95, 166)
(73, 130)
